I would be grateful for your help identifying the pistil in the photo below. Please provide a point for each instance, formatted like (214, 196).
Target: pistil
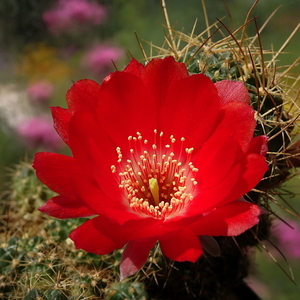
(154, 188)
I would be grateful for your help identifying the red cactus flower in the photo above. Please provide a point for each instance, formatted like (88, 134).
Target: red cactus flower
(158, 155)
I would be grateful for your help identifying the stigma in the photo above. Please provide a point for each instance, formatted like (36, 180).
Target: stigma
(155, 180)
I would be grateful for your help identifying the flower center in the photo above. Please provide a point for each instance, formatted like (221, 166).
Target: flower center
(155, 180)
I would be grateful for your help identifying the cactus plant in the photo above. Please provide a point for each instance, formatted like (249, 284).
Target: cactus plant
(126, 290)
(26, 190)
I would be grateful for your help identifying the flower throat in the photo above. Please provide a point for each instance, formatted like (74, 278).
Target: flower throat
(155, 180)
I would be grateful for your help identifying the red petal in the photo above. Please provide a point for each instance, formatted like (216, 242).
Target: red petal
(61, 174)
(229, 90)
(259, 145)
(253, 169)
(83, 95)
(206, 200)
(102, 234)
(155, 230)
(126, 216)
(240, 117)
(229, 220)
(133, 100)
(89, 237)
(190, 110)
(239, 181)
(64, 208)
(135, 68)
(83, 128)
(94, 152)
(182, 246)
(134, 257)
(97, 199)
(159, 74)
(61, 119)
(56, 171)
(216, 158)
(126, 107)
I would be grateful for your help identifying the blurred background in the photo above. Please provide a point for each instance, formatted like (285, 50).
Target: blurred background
(47, 45)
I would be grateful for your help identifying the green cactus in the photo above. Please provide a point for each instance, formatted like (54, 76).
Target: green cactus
(60, 229)
(35, 294)
(55, 294)
(216, 65)
(28, 193)
(12, 256)
(126, 290)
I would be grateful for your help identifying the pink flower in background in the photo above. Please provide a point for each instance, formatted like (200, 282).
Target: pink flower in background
(69, 13)
(99, 58)
(288, 238)
(40, 91)
(39, 132)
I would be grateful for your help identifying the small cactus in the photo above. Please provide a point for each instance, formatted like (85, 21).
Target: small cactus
(126, 290)
(26, 189)
(216, 65)
(35, 294)
(60, 229)
(55, 294)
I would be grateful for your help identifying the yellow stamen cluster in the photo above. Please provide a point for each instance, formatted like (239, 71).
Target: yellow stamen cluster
(153, 180)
